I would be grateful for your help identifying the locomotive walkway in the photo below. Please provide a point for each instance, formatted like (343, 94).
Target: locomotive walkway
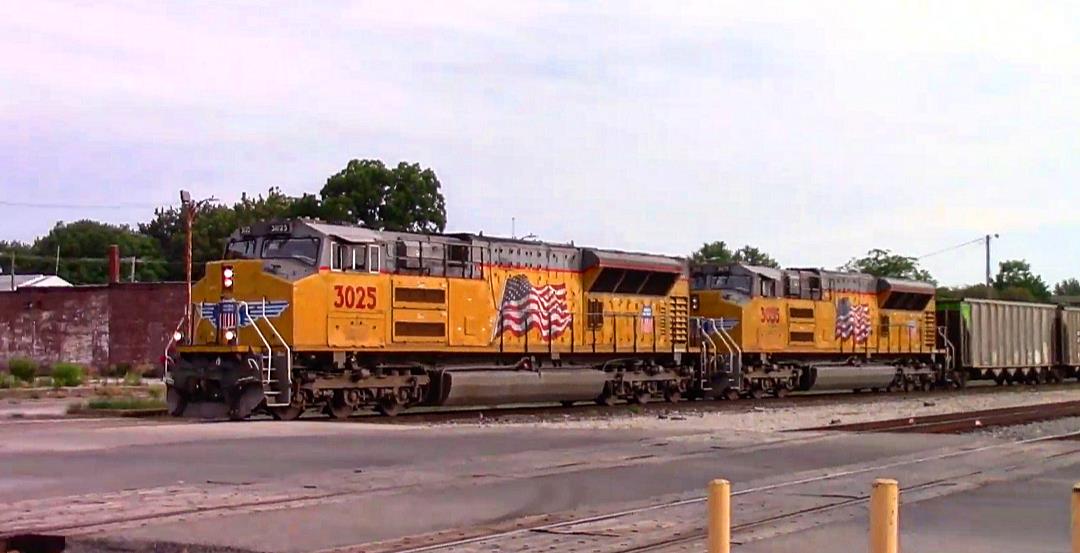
(316, 486)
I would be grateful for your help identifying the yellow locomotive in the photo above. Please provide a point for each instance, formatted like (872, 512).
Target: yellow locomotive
(308, 315)
(802, 329)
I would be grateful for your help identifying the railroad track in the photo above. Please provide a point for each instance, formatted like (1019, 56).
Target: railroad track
(553, 412)
(969, 421)
(503, 539)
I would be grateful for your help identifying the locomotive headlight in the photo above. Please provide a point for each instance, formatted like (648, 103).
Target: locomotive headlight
(229, 335)
(177, 336)
(226, 278)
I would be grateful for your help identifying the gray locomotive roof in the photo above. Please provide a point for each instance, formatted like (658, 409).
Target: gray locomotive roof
(906, 285)
(593, 256)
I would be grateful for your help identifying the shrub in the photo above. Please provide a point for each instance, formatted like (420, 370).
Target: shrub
(23, 369)
(132, 379)
(7, 381)
(156, 392)
(67, 374)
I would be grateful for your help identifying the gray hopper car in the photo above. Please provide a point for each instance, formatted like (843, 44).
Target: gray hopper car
(1009, 342)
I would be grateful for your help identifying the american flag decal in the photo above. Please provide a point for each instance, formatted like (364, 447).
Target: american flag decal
(525, 307)
(852, 321)
(227, 317)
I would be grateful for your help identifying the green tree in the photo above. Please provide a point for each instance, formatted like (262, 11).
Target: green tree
(1016, 274)
(884, 263)
(405, 198)
(24, 257)
(83, 247)
(1067, 287)
(752, 256)
(713, 252)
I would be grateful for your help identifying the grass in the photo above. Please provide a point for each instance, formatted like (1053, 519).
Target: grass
(124, 403)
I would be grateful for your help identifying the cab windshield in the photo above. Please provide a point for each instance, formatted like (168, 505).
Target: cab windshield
(737, 283)
(241, 249)
(304, 250)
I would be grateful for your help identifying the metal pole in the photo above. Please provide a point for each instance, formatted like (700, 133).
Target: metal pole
(719, 516)
(12, 270)
(989, 283)
(188, 215)
(133, 268)
(885, 516)
(56, 270)
(1076, 518)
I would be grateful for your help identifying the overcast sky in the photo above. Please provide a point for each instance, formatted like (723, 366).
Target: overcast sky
(813, 130)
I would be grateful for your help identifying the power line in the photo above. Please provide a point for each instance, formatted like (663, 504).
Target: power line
(951, 248)
(37, 205)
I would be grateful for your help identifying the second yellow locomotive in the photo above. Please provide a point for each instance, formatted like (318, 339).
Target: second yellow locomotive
(800, 329)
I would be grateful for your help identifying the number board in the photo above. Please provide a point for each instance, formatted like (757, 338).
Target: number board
(355, 297)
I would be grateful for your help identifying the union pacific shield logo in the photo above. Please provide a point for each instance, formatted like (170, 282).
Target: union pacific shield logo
(231, 314)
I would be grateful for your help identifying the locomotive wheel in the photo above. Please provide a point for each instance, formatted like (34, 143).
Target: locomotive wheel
(731, 394)
(390, 408)
(290, 413)
(338, 408)
(757, 392)
(927, 384)
(672, 395)
(641, 398)
(605, 399)
(175, 402)
(780, 392)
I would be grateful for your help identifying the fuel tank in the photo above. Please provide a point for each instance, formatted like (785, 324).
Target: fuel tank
(847, 377)
(503, 387)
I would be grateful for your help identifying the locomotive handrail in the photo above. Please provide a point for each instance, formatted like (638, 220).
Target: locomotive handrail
(169, 345)
(288, 350)
(733, 348)
(246, 313)
(950, 350)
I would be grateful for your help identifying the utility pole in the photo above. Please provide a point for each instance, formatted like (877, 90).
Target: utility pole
(513, 227)
(189, 214)
(133, 268)
(56, 271)
(12, 270)
(989, 280)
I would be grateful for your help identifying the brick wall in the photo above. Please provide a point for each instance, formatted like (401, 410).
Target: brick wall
(96, 326)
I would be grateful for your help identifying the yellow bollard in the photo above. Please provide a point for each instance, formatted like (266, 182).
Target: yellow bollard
(1076, 518)
(885, 516)
(719, 516)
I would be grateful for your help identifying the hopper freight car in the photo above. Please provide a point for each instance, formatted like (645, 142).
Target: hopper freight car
(307, 315)
(1009, 342)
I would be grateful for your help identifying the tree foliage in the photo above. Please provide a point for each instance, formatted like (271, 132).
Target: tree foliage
(407, 197)
(719, 252)
(884, 263)
(1015, 276)
(1067, 287)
